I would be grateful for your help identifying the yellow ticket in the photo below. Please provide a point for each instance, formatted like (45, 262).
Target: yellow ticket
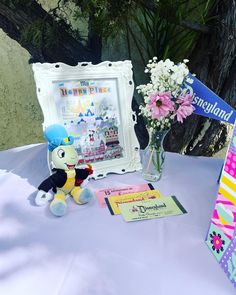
(113, 202)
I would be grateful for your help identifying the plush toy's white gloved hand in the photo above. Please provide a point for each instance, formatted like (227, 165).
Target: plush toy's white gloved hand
(42, 198)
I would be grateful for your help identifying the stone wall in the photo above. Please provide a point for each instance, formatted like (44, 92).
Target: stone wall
(20, 113)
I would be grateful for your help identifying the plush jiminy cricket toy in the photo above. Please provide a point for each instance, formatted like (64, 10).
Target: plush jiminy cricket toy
(66, 179)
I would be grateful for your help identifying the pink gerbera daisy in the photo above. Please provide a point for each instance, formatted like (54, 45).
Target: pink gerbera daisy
(160, 104)
(186, 99)
(185, 108)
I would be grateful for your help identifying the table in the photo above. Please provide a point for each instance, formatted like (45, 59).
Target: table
(90, 252)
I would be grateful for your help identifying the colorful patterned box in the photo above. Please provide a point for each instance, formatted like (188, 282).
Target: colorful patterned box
(221, 238)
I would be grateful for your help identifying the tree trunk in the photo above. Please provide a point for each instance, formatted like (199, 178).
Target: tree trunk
(214, 62)
(26, 23)
(94, 40)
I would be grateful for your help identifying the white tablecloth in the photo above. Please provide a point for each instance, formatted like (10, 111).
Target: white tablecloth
(90, 252)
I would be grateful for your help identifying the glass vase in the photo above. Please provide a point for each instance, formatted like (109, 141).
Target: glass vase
(153, 157)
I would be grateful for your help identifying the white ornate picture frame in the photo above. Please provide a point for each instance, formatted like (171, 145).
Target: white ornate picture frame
(93, 102)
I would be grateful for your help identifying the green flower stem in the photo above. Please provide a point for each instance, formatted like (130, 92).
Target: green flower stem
(151, 158)
(157, 163)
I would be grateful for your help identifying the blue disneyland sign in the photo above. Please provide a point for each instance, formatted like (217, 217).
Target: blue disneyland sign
(207, 103)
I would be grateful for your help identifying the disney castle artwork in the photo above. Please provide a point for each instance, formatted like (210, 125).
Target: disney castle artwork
(99, 151)
(92, 118)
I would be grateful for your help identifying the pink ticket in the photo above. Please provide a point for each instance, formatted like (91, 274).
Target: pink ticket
(117, 191)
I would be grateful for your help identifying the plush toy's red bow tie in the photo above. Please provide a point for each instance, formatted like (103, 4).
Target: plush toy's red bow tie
(89, 169)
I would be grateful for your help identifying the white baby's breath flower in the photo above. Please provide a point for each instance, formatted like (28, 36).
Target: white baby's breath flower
(146, 99)
(162, 89)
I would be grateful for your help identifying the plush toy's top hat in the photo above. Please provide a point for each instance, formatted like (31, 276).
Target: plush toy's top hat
(57, 135)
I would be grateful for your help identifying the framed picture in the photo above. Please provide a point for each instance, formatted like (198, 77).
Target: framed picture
(93, 102)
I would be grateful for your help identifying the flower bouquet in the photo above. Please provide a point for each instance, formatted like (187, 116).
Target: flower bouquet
(165, 101)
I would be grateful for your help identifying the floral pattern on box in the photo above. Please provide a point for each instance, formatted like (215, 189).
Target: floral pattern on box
(217, 241)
